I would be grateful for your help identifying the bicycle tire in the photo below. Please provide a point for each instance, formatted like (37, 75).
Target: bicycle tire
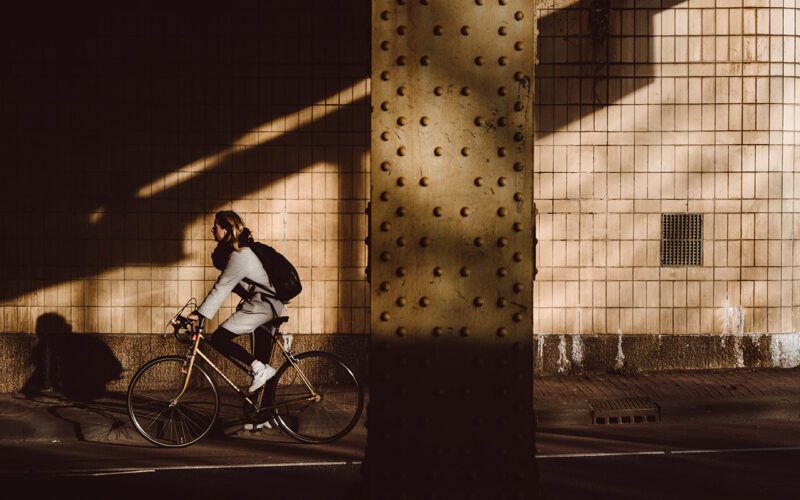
(340, 406)
(150, 393)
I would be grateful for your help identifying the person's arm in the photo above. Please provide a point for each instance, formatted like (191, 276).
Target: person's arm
(235, 270)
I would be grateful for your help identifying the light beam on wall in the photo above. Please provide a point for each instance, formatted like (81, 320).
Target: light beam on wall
(264, 133)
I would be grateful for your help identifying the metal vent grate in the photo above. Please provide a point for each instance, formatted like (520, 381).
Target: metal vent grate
(637, 410)
(681, 240)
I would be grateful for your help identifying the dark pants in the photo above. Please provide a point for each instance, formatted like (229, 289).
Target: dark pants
(223, 341)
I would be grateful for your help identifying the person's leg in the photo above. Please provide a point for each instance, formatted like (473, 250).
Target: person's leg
(261, 343)
(222, 340)
(245, 320)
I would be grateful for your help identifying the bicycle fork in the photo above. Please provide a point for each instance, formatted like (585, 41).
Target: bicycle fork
(192, 357)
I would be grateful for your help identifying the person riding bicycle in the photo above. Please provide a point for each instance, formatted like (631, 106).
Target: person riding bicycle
(237, 261)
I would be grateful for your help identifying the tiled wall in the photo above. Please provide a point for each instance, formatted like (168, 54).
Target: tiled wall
(126, 127)
(665, 106)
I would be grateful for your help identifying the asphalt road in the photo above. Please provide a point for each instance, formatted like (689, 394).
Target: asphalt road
(648, 461)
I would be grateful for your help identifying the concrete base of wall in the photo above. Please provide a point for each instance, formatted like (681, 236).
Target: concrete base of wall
(565, 354)
(84, 364)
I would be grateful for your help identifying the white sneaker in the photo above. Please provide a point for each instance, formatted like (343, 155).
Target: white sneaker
(261, 373)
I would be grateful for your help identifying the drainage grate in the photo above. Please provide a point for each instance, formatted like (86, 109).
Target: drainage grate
(681, 240)
(624, 411)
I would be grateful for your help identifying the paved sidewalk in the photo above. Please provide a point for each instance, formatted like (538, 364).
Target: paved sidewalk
(687, 396)
(698, 396)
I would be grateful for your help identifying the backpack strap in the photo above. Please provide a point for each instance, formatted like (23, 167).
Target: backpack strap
(269, 293)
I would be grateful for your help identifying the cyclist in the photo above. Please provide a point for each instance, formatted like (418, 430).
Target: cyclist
(237, 261)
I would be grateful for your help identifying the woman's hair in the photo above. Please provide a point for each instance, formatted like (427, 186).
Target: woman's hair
(234, 226)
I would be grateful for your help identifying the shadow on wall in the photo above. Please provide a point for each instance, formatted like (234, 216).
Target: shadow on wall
(102, 103)
(77, 366)
(591, 54)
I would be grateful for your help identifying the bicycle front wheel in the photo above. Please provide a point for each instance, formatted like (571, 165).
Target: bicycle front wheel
(158, 416)
(325, 416)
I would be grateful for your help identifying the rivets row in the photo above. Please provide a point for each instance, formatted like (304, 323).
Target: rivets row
(502, 152)
(439, 331)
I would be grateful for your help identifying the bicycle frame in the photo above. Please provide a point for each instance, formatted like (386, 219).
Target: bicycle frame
(195, 351)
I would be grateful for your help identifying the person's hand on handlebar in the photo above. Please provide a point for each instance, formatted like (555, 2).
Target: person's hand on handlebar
(180, 321)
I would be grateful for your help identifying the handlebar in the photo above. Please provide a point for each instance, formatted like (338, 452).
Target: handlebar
(182, 325)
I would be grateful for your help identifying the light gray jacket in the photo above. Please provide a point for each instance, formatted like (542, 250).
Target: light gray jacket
(256, 310)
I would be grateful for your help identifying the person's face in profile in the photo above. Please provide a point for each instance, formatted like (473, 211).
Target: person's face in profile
(218, 232)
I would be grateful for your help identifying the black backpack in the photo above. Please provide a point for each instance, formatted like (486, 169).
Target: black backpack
(281, 272)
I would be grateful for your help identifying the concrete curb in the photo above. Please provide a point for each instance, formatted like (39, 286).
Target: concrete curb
(576, 413)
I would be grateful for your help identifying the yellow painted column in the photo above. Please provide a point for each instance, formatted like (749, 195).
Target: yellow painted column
(451, 254)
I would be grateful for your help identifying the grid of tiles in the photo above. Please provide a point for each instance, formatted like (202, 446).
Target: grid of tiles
(124, 141)
(655, 107)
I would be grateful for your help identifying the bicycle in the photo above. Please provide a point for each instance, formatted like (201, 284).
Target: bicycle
(173, 402)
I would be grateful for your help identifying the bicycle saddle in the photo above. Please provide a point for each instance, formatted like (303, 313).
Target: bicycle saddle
(276, 322)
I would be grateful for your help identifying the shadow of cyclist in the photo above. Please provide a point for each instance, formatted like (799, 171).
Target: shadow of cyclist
(77, 366)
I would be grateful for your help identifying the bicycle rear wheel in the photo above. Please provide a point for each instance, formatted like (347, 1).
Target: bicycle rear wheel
(153, 412)
(317, 420)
